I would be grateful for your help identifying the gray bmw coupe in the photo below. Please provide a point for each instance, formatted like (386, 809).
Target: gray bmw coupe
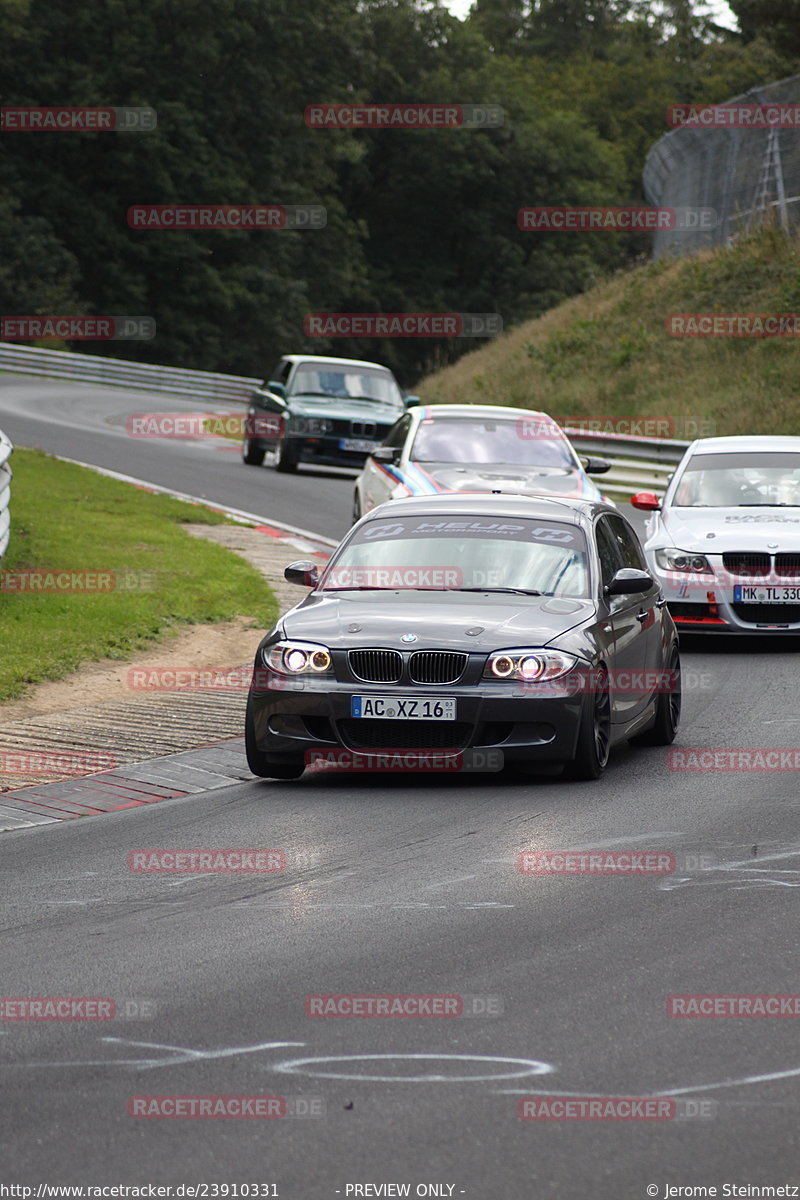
(456, 624)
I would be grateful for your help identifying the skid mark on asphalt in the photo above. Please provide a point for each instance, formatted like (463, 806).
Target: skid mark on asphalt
(172, 1056)
(741, 874)
(176, 1055)
(310, 1066)
(744, 1081)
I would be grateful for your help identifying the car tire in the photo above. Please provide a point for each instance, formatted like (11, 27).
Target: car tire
(252, 452)
(258, 762)
(285, 460)
(357, 514)
(594, 735)
(668, 712)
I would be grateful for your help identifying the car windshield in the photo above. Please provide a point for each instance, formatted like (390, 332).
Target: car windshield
(740, 480)
(539, 557)
(347, 383)
(524, 442)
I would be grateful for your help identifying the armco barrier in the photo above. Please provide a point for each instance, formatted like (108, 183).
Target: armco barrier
(5, 491)
(118, 372)
(637, 462)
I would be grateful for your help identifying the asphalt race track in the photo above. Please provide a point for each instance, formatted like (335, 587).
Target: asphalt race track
(85, 422)
(403, 884)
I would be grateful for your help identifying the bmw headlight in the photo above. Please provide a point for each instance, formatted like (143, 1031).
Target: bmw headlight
(682, 560)
(311, 425)
(298, 658)
(528, 665)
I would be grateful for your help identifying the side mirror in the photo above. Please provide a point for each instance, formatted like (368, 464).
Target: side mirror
(411, 401)
(649, 501)
(628, 581)
(595, 466)
(303, 573)
(269, 401)
(385, 454)
(276, 388)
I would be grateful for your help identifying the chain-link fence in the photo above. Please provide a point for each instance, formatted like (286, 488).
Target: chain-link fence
(747, 173)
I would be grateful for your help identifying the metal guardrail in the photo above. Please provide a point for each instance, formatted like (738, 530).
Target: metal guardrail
(743, 174)
(118, 372)
(637, 463)
(5, 491)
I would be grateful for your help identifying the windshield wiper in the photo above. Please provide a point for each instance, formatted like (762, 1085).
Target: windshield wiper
(515, 591)
(768, 504)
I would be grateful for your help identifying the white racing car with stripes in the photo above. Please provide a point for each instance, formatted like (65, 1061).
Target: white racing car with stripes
(437, 448)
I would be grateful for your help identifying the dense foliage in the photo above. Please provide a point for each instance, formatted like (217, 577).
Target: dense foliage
(416, 220)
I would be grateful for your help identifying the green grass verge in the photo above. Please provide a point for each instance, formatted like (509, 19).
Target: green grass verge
(67, 518)
(606, 354)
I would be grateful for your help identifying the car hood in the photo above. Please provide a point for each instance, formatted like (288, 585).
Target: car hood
(341, 406)
(745, 529)
(438, 620)
(500, 477)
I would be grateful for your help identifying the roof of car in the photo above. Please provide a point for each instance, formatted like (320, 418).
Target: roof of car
(745, 442)
(482, 504)
(348, 362)
(482, 410)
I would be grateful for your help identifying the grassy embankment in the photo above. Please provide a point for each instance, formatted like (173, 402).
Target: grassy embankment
(67, 518)
(607, 355)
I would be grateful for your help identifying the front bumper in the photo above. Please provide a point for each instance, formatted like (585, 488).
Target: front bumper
(706, 604)
(326, 451)
(294, 723)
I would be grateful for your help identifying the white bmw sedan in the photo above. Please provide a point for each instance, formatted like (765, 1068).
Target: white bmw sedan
(725, 541)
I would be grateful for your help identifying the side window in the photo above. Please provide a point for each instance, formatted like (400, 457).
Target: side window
(398, 433)
(281, 372)
(608, 551)
(628, 543)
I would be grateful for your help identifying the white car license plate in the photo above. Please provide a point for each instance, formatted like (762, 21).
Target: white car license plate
(403, 708)
(744, 593)
(360, 444)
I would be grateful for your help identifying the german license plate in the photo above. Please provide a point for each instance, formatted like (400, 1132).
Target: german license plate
(362, 445)
(403, 708)
(744, 593)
